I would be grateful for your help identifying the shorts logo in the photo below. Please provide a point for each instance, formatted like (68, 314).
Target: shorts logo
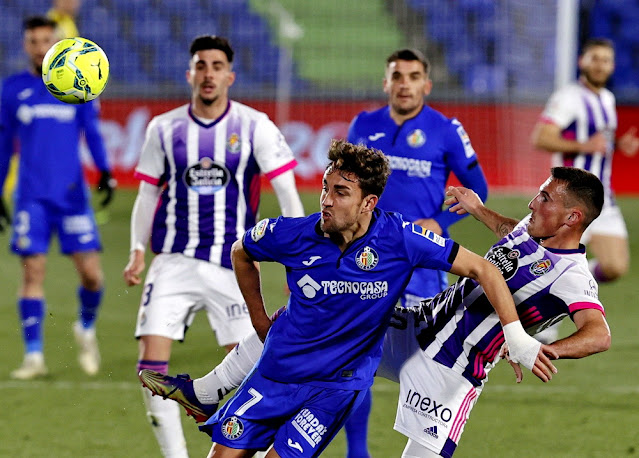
(234, 144)
(538, 268)
(309, 427)
(432, 431)
(309, 286)
(505, 259)
(416, 138)
(232, 428)
(366, 258)
(259, 230)
(206, 177)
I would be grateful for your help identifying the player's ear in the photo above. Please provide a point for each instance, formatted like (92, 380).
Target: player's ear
(428, 86)
(576, 216)
(370, 202)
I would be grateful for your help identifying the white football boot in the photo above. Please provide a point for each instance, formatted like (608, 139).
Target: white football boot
(88, 353)
(32, 367)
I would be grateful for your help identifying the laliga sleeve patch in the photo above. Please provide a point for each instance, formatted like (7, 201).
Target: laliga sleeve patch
(435, 238)
(259, 230)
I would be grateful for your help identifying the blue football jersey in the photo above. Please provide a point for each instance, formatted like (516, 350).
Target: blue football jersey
(422, 153)
(48, 132)
(340, 302)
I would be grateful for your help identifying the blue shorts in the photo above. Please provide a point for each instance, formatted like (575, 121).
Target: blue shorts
(35, 222)
(298, 419)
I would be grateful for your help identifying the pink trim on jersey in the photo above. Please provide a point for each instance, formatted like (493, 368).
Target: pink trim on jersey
(462, 415)
(149, 179)
(547, 120)
(569, 134)
(285, 168)
(585, 305)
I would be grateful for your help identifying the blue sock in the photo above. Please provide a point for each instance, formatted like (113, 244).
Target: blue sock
(31, 312)
(356, 428)
(89, 305)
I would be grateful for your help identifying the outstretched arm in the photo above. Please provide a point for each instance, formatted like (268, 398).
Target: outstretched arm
(547, 137)
(463, 200)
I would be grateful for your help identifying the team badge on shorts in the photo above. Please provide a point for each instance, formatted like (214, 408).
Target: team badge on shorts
(232, 428)
(234, 144)
(366, 258)
(539, 268)
(416, 138)
(259, 230)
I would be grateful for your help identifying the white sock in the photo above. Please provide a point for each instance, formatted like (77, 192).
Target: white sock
(548, 335)
(416, 450)
(164, 416)
(230, 372)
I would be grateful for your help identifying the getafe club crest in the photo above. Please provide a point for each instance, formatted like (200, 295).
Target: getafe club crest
(366, 258)
(416, 138)
(232, 428)
(234, 144)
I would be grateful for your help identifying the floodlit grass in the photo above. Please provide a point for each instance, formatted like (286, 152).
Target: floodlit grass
(590, 409)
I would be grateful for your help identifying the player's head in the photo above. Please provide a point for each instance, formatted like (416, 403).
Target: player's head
(597, 61)
(40, 34)
(210, 71)
(568, 201)
(406, 81)
(352, 184)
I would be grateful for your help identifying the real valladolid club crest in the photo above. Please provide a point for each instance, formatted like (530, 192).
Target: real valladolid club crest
(540, 267)
(416, 138)
(232, 428)
(366, 258)
(234, 144)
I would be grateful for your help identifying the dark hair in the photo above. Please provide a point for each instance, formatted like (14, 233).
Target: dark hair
(594, 42)
(409, 54)
(584, 187)
(368, 164)
(35, 22)
(212, 42)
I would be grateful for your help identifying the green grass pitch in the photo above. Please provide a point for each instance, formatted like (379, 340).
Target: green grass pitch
(590, 409)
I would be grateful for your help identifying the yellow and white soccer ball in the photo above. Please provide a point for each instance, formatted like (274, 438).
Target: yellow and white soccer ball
(75, 70)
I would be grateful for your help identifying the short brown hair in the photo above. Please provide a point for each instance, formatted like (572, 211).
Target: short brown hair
(368, 164)
(595, 42)
(409, 54)
(584, 187)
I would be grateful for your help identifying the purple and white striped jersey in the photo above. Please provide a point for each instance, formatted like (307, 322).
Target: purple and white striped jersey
(580, 113)
(211, 177)
(459, 327)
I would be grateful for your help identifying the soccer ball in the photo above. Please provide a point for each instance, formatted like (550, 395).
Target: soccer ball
(75, 70)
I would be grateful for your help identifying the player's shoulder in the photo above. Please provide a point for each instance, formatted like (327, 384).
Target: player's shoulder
(168, 116)
(432, 117)
(286, 230)
(372, 117)
(240, 109)
(16, 81)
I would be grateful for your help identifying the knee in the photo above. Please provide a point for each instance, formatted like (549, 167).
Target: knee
(92, 279)
(614, 269)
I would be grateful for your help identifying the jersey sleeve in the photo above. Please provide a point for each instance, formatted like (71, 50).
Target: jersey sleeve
(578, 291)
(462, 160)
(150, 167)
(272, 153)
(560, 109)
(427, 249)
(267, 240)
(89, 114)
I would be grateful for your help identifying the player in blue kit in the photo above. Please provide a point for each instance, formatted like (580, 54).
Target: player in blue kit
(423, 147)
(51, 196)
(346, 268)
(441, 352)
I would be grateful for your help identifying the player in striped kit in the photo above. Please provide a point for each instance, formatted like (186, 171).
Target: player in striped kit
(442, 351)
(200, 171)
(578, 125)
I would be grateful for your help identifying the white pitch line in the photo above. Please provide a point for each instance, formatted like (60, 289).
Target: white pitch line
(380, 388)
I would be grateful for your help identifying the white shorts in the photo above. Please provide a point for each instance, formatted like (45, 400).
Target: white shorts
(177, 286)
(610, 222)
(434, 401)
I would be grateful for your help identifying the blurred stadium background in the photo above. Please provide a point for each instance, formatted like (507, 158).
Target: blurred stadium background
(313, 65)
